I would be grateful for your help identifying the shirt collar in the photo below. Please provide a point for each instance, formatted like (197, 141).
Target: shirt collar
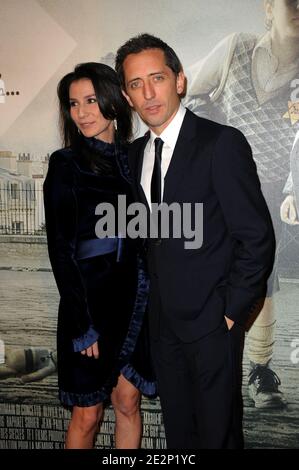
(265, 43)
(171, 133)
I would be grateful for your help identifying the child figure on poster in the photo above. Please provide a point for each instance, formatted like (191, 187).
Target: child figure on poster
(29, 364)
(246, 82)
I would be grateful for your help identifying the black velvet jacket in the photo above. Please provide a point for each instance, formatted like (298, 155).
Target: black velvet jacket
(71, 193)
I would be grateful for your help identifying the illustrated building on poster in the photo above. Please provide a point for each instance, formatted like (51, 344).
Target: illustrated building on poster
(21, 194)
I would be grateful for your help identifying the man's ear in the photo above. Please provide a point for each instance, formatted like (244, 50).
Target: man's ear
(180, 83)
(127, 98)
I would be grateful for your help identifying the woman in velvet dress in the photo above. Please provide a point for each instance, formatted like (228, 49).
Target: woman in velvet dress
(101, 282)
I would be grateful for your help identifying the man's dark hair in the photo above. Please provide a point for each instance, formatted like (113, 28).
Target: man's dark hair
(141, 43)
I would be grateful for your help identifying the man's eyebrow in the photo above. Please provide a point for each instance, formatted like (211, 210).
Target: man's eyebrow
(157, 73)
(149, 75)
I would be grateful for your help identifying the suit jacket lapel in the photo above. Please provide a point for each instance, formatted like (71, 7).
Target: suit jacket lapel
(184, 150)
(138, 169)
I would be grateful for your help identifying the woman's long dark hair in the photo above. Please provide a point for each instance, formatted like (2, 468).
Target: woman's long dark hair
(112, 104)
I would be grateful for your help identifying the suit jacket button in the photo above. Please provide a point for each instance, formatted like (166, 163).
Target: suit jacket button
(158, 242)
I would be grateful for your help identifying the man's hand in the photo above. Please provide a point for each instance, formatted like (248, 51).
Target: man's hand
(230, 323)
(288, 213)
(92, 351)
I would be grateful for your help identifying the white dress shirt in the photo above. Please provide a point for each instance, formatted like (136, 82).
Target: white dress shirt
(169, 137)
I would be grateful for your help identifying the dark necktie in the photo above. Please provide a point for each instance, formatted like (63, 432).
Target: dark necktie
(156, 176)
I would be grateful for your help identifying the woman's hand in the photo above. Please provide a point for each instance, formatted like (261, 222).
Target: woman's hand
(92, 351)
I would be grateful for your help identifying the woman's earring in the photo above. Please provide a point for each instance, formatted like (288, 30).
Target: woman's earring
(268, 24)
(115, 124)
(79, 132)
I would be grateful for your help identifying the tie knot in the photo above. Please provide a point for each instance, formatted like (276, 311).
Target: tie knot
(158, 146)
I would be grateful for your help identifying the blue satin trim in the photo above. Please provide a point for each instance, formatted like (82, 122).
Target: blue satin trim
(84, 399)
(123, 364)
(85, 340)
(99, 246)
(145, 386)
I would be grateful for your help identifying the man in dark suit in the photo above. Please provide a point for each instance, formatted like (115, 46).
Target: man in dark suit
(200, 299)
